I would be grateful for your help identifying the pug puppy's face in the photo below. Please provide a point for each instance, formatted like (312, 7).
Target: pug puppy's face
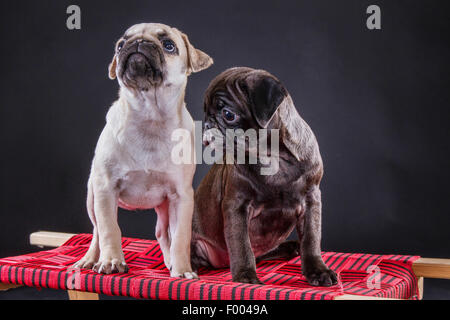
(151, 54)
(241, 98)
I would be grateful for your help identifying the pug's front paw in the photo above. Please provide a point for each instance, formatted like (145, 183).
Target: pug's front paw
(247, 276)
(108, 266)
(318, 274)
(186, 275)
(87, 262)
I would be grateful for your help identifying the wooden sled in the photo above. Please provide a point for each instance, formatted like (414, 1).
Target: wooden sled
(422, 268)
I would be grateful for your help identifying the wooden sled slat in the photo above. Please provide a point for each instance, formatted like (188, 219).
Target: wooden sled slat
(432, 268)
(7, 286)
(357, 297)
(49, 239)
(82, 295)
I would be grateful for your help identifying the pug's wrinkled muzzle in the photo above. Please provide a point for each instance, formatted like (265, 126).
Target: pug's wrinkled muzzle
(142, 64)
(137, 65)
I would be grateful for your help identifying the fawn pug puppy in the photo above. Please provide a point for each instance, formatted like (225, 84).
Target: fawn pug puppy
(241, 214)
(132, 166)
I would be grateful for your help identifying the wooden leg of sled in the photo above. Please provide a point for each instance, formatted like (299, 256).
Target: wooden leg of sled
(7, 286)
(80, 295)
(420, 287)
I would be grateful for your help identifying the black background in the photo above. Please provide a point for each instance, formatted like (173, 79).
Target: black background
(378, 102)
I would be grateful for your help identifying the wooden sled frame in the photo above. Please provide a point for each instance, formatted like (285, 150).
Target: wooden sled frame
(423, 268)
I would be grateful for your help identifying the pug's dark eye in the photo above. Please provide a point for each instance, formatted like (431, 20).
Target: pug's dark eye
(228, 115)
(120, 45)
(169, 46)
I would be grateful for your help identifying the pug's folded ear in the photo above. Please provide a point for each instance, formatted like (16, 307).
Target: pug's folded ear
(197, 59)
(112, 68)
(266, 96)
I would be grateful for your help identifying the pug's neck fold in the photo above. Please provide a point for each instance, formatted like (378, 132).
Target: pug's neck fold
(162, 101)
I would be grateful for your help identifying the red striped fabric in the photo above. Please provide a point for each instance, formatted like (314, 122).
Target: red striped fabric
(391, 276)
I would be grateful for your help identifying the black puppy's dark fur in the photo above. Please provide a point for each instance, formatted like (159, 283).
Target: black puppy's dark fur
(239, 213)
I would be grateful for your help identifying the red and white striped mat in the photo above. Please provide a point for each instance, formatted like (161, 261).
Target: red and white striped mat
(391, 275)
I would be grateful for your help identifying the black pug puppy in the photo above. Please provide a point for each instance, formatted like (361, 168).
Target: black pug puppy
(241, 214)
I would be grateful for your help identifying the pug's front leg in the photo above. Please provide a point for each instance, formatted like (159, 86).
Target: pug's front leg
(181, 209)
(162, 231)
(91, 256)
(242, 258)
(111, 258)
(309, 232)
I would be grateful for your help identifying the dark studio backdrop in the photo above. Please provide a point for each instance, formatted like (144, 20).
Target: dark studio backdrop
(378, 102)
